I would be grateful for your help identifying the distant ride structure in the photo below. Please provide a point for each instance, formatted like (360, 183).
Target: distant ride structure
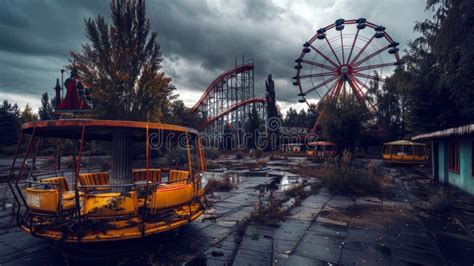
(405, 152)
(227, 102)
(341, 58)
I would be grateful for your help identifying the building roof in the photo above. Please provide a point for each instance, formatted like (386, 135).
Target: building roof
(403, 142)
(455, 131)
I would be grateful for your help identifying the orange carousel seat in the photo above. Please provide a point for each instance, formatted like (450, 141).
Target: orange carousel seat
(171, 195)
(154, 175)
(46, 200)
(178, 177)
(95, 179)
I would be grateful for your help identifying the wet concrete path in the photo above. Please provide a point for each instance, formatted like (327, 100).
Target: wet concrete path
(322, 229)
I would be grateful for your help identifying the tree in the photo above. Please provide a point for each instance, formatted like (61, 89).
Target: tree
(181, 115)
(440, 62)
(253, 127)
(45, 112)
(9, 123)
(344, 121)
(272, 113)
(122, 65)
(27, 115)
(291, 118)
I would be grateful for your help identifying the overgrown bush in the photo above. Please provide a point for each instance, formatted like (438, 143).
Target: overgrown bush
(440, 203)
(219, 185)
(239, 155)
(212, 153)
(343, 178)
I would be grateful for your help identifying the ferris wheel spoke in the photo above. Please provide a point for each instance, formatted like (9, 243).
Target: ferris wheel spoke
(333, 52)
(342, 47)
(356, 92)
(370, 56)
(324, 56)
(358, 69)
(319, 65)
(362, 50)
(370, 104)
(326, 74)
(352, 47)
(369, 77)
(322, 84)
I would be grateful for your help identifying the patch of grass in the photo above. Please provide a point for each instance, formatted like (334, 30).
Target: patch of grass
(343, 178)
(220, 185)
(213, 165)
(440, 203)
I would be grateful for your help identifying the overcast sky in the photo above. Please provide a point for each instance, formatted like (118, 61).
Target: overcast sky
(199, 39)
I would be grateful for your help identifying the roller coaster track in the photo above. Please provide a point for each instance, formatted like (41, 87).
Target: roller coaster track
(231, 108)
(222, 77)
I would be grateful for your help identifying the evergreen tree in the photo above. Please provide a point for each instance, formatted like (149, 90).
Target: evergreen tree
(122, 65)
(441, 62)
(253, 126)
(27, 115)
(45, 112)
(272, 113)
(9, 123)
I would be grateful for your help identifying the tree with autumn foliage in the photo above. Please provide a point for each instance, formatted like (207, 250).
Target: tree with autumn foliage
(121, 63)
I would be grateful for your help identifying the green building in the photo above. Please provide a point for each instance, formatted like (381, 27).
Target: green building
(452, 157)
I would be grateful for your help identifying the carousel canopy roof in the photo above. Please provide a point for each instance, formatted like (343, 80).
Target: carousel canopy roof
(322, 143)
(403, 142)
(103, 129)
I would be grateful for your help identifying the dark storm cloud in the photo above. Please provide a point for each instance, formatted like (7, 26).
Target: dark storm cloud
(199, 39)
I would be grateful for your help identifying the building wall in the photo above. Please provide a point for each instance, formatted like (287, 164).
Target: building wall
(463, 179)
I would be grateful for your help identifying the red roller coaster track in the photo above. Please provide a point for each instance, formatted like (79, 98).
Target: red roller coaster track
(220, 78)
(230, 109)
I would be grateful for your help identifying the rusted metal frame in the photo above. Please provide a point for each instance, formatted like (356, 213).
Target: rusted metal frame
(326, 95)
(342, 47)
(359, 97)
(22, 167)
(325, 74)
(369, 77)
(35, 155)
(352, 47)
(318, 65)
(324, 56)
(190, 163)
(322, 84)
(356, 64)
(12, 168)
(334, 52)
(147, 173)
(76, 173)
(358, 69)
(362, 50)
(358, 82)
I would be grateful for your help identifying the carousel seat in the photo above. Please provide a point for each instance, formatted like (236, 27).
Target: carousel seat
(154, 175)
(95, 179)
(57, 181)
(171, 195)
(178, 177)
(110, 204)
(41, 200)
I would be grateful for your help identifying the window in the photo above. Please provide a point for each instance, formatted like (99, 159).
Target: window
(408, 150)
(419, 150)
(453, 156)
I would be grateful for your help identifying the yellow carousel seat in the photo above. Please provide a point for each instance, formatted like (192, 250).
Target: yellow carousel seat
(57, 181)
(178, 177)
(95, 179)
(171, 195)
(154, 175)
(47, 201)
(110, 204)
